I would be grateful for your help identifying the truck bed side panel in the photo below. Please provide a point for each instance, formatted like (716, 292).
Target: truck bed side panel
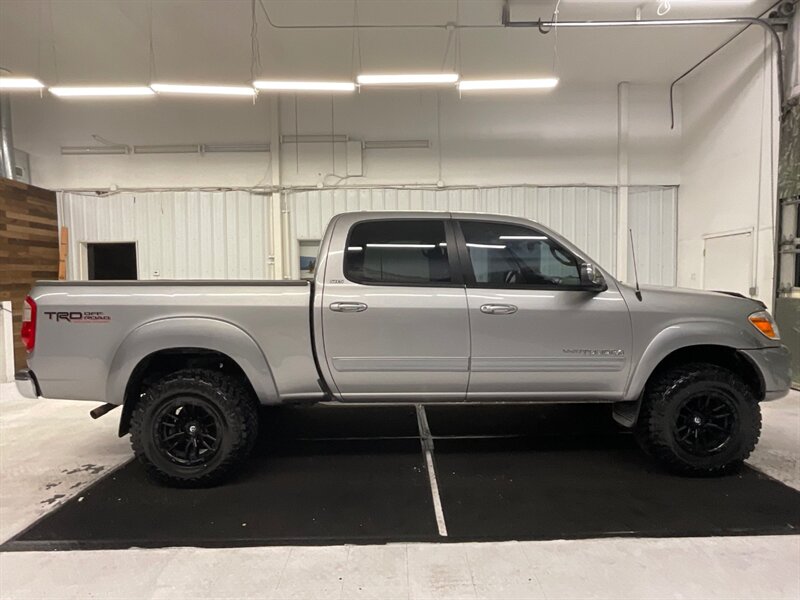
(82, 326)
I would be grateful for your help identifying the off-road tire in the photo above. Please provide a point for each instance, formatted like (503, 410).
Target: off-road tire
(657, 431)
(233, 407)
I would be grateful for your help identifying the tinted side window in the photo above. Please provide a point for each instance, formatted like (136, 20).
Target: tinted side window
(505, 255)
(397, 252)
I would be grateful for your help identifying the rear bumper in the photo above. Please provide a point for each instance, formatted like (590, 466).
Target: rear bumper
(26, 383)
(776, 370)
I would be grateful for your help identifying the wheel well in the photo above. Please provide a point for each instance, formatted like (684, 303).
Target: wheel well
(158, 364)
(722, 356)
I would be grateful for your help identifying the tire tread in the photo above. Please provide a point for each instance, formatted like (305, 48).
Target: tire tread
(233, 399)
(655, 404)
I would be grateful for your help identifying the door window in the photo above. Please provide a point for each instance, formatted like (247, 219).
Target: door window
(504, 255)
(403, 251)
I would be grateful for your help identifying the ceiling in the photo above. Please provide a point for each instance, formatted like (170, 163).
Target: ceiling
(108, 41)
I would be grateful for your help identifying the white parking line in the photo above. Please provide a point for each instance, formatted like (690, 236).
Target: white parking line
(427, 447)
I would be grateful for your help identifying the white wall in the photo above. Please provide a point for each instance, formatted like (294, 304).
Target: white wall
(564, 137)
(728, 159)
(43, 125)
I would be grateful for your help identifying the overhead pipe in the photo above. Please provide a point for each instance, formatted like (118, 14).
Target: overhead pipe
(546, 26)
(6, 135)
(6, 138)
(694, 67)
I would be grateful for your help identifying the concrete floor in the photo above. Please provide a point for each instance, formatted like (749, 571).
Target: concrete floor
(51, 450)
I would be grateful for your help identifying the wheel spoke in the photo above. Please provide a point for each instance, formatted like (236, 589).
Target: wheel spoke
(187, 431)
(705, 423)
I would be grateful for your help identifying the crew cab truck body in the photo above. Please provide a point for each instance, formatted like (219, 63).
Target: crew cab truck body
(408, 308)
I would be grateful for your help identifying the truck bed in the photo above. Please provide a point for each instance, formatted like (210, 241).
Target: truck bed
(83, 327)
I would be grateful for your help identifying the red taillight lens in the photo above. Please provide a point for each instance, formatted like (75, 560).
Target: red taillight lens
(28, 331)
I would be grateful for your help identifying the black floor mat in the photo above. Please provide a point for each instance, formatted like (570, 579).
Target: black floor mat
(595, 486)
(357, 475)
(292, 491)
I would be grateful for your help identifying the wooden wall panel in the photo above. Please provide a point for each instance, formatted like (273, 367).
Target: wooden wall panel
(28, 246)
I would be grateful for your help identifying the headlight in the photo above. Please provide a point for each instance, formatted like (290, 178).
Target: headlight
(762, 321)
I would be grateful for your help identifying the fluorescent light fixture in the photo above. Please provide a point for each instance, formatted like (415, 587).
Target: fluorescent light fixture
(488, 246)
(305, 86)
(20, 83)
(425, 246)
(100, 91)
(507, 84)
(395, 144)
(92, 150)
(354, 248)
(413, 79)
(203, 90)
(523, 237)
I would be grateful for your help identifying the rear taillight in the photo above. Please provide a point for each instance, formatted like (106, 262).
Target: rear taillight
(28, 331)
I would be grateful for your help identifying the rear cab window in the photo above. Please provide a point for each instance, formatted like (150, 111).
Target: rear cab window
(398, 252)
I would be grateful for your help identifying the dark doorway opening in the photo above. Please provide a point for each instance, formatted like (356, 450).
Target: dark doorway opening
(112, 261)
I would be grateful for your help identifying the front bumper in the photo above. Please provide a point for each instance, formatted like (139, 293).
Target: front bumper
(775, 367)
(26, 383)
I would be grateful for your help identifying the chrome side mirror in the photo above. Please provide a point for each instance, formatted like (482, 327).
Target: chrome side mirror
(592, 279)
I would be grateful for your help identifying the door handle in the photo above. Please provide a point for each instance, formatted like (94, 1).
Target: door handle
(348, 307)
(498, 309)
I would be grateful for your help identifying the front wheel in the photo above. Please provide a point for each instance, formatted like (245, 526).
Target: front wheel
(699, 419)
(193, 427)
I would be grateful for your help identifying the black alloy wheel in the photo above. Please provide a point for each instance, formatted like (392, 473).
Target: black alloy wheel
(705, 423)
(188, 431)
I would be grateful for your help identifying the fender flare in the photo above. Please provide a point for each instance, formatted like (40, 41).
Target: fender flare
(676, 337)
(205, 333)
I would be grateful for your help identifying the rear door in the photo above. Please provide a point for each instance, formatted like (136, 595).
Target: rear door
(535, 332)
(394, 311)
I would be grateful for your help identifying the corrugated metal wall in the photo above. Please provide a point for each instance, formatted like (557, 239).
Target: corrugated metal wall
(652, 215)
(585, 215)
(178, 235)
(226, 235)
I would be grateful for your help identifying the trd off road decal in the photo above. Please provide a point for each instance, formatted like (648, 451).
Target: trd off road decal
(78, 316)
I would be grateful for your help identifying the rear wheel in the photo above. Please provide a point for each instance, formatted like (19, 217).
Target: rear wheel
(193, 427)
(699, 419)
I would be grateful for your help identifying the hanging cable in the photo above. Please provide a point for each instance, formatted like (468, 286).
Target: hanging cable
(663, 8)
(151, 49)
(439, 133)
(255, 50)
(296, 134)
(355, 51)
(458, 38)
(447, 49)
(370, 26)
(555, 37)
(53, 40)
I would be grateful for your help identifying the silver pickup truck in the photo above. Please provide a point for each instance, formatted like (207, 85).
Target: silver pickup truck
(408, 308)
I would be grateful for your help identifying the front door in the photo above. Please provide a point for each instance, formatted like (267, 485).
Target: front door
(394, 318)
(535, 333)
